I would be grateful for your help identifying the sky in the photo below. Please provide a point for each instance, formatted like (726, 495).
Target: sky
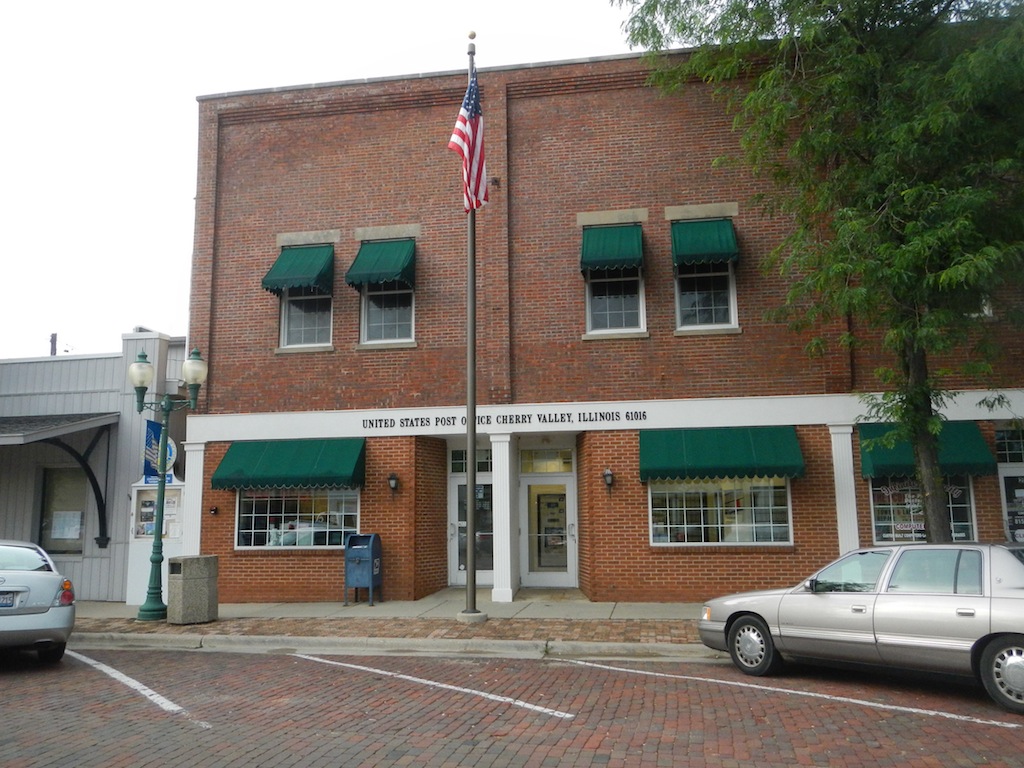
(100, 129)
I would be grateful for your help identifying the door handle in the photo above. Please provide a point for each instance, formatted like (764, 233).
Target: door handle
(858, 609)
(572, 531)
(968, 612)
(451, 530)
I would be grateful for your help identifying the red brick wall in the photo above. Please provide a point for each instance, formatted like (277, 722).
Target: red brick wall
(619, 563)
(411, 523)
(561, 140)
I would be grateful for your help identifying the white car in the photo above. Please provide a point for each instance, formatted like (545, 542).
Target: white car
(950, 608)
(37, 604)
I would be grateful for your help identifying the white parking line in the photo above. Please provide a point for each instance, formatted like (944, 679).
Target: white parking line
(807, 694)
(165, 704)
(445, 686)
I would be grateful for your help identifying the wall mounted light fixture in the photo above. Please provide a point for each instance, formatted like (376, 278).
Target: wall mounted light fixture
(393, 482)
(609, 480)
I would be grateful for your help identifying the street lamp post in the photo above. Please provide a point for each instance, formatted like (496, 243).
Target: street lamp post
(140, 375)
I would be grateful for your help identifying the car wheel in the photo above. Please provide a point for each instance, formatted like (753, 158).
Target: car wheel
(751, 647)
(1002, 672)
(52, 653)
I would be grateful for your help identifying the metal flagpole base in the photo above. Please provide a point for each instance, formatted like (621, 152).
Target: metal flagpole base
(471, 617)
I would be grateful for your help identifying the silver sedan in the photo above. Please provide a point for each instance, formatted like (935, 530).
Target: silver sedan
(950, 608)
(37, 604)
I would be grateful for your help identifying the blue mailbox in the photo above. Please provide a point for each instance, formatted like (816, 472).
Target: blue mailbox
(362, 565)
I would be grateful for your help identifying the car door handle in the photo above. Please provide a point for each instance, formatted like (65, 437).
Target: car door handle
(858, 609)
(965, 612)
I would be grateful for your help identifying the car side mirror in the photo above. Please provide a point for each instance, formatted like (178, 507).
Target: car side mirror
(811, 585)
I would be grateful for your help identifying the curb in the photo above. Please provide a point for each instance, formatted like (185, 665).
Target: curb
(385, 646)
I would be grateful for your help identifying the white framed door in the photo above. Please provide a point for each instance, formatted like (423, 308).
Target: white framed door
(484, 533)
(547, 531)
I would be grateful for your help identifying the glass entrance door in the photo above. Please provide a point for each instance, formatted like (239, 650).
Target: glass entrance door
(484, 535)
(548, 535)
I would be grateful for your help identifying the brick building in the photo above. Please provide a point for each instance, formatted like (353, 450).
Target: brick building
(644, 433)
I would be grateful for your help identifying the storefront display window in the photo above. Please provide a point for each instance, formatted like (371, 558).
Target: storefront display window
(299, 517)
(735, 511)
(897, 515)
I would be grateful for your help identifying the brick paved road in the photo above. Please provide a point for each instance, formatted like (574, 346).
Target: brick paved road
(277, 710)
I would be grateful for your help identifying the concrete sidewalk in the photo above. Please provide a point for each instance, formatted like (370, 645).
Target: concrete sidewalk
(539, 623)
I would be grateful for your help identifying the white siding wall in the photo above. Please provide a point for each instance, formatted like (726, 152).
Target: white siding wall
(74, 385)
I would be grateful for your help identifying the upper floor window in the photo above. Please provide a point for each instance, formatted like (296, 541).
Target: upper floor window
(614, 300)
(705, 296)
(704, 252)
(387, 312)
(305, 318)
(303, 278)
(384, 271)
(611, 260)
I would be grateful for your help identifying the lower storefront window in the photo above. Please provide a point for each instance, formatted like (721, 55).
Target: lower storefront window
(897, 514)
(735, 511)
(297, 517)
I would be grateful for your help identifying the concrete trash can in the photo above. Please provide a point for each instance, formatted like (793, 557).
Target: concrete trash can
(192, 589)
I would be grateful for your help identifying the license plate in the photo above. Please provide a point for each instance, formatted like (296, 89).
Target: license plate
(7, 599)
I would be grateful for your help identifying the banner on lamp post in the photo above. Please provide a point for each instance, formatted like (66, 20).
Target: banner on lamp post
(151, 454)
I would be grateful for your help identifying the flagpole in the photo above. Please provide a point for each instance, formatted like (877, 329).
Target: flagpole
(471, 614)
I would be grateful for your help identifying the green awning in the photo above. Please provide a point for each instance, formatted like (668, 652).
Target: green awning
(384, 261)
(612, 247)
(302, 266)
(703, 241)
(719, 452)
(962, 451)
(332, 463)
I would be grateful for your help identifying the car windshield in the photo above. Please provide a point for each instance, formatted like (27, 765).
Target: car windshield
(14, 558)
(857, 572)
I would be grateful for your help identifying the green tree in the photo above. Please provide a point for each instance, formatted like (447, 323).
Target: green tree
(893, 131)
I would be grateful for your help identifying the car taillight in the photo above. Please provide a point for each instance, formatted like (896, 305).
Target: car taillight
(66, 594)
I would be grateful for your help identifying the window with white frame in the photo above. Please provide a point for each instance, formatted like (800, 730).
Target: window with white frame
(296, 517)
(898, 516)
(1010, 444)
(484, 460)
(387, 312)
(615, 300)
(729, 511)
(705, 296)
(305, 317)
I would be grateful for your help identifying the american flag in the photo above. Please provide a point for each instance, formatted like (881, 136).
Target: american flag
(468, 140)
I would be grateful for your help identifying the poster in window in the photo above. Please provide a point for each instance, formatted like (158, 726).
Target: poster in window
(145, 513)
(66, 525)
(1013, 489)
